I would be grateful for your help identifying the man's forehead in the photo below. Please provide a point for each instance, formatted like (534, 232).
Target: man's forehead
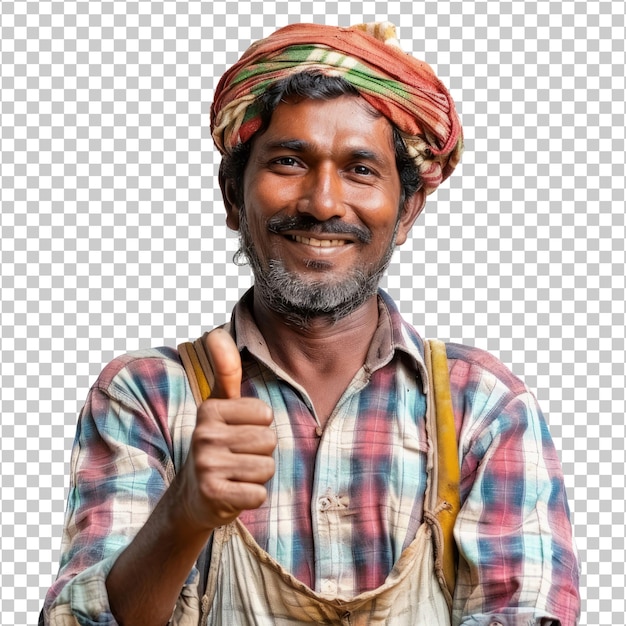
(307, 124)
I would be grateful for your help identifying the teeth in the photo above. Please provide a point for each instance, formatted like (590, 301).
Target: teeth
(320, 243)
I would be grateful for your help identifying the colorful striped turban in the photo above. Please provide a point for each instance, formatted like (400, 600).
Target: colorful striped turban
(403, 89)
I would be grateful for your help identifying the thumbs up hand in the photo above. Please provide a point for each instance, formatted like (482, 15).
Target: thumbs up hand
(230, 456)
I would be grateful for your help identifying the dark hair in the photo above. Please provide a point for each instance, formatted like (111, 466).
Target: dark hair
(314, 86)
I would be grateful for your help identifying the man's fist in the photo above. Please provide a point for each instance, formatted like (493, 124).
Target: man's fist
(230, 456)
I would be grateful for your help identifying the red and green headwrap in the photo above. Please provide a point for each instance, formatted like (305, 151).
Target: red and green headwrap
(402, 88)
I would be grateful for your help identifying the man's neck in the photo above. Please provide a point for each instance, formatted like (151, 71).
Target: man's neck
(325, 351)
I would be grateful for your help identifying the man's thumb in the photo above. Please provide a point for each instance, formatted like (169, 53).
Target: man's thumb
(226, 362)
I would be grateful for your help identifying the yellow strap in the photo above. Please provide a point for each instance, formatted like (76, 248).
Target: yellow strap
(448, 471)
(205, 363)
(194, 370)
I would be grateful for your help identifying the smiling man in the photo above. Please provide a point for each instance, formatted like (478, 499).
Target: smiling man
(304, 489)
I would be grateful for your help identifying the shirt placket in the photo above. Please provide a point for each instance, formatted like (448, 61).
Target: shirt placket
(331, 513)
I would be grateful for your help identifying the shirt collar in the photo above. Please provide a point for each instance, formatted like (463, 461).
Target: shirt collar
(392, 334)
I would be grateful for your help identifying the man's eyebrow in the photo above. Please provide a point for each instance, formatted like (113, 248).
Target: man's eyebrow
(367, 155)
(299, 145)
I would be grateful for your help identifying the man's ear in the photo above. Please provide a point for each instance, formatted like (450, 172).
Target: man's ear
(231, 202)
(410, 212)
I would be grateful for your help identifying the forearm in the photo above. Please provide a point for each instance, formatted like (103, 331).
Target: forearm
(145, 582)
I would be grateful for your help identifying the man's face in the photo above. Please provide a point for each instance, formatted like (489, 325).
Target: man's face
(321, 207)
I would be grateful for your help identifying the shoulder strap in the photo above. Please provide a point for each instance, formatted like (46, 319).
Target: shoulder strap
(201, 380)
(198, 368)
(448, 471)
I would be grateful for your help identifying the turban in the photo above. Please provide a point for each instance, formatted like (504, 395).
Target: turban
(368, 56)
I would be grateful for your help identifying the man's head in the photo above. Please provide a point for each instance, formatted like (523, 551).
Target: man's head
(320, 206)
(324, 170)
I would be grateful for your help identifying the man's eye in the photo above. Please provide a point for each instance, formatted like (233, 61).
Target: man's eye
(362, 170)
(287, 161)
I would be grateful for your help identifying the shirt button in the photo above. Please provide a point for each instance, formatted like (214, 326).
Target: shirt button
(329, 586)
(324, 504)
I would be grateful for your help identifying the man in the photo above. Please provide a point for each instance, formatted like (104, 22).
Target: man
(296, 493)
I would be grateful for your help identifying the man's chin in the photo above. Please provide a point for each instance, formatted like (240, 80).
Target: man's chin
(301, 299)
(301, 303)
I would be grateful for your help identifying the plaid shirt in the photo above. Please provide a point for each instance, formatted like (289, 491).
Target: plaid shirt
(518, 563)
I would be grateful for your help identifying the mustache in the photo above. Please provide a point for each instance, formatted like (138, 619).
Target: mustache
(333, 226)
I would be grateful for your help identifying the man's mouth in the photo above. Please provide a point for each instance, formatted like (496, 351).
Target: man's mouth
(319, 243)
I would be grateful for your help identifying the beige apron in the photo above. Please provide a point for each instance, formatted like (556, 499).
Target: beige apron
(246, 586)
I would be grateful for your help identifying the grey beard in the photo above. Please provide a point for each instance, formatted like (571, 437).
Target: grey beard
(300, 302)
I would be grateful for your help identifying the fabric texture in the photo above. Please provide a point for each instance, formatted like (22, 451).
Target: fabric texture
(400, 87)
(367, 466)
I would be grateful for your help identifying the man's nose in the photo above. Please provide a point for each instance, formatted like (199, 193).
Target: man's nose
(324, 194)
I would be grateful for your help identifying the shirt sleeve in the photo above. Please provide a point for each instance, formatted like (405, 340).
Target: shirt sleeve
(123, 459)
(518, 563)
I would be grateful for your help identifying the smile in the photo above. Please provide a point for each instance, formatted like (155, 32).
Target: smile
(319, 243)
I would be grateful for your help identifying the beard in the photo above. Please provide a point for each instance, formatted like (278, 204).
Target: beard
(298, 300)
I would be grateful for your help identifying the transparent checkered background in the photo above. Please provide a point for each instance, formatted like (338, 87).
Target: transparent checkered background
(113, 234)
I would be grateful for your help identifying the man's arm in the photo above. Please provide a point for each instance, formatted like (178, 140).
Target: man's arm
(229, 460)
(518, 561)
